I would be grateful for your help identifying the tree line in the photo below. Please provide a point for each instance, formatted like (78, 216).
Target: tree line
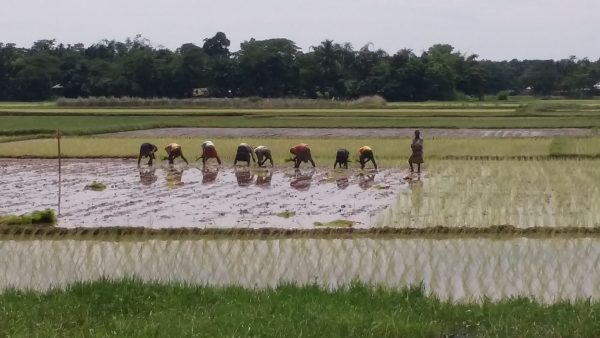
(278, 68)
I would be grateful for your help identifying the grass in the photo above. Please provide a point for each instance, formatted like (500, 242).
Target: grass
(35, 218)
(339, 223)
(96, 186)
(136, 309)
(30, 119)
(388, 151)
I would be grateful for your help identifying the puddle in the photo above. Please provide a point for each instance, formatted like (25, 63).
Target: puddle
(162, 197)
(548, 270)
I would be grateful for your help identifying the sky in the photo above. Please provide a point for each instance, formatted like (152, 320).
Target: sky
(493, 29)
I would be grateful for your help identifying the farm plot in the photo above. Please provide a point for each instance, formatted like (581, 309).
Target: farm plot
(550, 193)
(163, 197)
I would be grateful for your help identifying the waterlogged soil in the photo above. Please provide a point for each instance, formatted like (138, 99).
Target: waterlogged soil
(548, 270)
(185, 196)
(350, 132)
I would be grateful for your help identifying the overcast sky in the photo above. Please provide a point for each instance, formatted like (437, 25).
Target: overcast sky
(494, 29)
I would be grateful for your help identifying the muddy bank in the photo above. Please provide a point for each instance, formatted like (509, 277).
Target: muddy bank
(185, 196)
(548, 270)
(348, 132)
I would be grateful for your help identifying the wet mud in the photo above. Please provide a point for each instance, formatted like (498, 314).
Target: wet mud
(186, 196)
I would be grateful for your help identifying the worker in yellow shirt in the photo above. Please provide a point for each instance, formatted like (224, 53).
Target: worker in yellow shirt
(366, 155)
(173, 151)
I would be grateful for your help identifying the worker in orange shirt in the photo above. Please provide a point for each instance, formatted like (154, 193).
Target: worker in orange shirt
(366, 155)
(209, 151)
(301, 153)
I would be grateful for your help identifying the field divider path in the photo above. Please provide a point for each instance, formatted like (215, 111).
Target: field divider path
(350, 132)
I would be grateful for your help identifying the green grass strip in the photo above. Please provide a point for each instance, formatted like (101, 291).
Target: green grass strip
(136, 309)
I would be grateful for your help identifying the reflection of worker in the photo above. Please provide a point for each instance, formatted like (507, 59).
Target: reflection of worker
(417, 152)
(244, 177)
(365, 155)
(263, 179)
(262, 155)
(302, 180)
(365, 181)
(342, 183)
(148, 175)
(209, 151)
(174, 177)
(341, 158)
(244, 153)
(416, 196)
(209, 176)
(301, 153)
(173, 151)
(147, 150)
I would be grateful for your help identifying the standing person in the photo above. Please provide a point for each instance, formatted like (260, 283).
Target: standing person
(341, 158)
(366, 155)
(209, 151)
(417, 152)
(301, 153)
(262, 155)
(243, 154)
(174, 151)
(147, 150)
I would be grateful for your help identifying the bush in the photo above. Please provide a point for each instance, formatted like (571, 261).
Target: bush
(503, 95)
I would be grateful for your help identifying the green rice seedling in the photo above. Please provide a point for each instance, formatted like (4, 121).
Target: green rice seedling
(286, 214)
(96, 186)
(39, 218)
(339, 223)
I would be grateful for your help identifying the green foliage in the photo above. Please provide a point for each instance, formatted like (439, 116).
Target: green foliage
(286, 214)
(339, 223)
(503, 95)
(37, 218)
(277, 68)
(136, 309)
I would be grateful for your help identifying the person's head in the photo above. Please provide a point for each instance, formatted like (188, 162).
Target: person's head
(154, 148)
(417, 133)
(291, 150)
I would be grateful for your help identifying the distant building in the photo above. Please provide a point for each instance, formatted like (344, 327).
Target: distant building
(597, 86)
(200, 92)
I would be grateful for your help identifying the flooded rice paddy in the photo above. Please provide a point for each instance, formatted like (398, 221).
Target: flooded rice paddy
(548, 270)
(185, 196)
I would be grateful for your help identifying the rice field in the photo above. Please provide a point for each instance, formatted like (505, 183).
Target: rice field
(549, 193)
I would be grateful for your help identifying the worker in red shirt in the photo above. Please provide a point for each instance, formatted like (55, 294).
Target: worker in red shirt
(209, 151)
(301, 153)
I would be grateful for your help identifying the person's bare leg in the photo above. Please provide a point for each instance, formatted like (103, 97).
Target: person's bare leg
(218, 160)
(411, 167)
(270, 160)
(139, 159)
(374, 163)
(419, 168)
(312, 162)
(297, 163)
(183, 158)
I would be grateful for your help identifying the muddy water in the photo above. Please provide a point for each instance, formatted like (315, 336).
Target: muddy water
(456, 269)
(183, 196)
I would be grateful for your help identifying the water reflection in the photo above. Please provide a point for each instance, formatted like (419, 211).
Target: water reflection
(548, 270)
(244, 176)
(302, 179)
(209, 175)
(342, 183)
(366, 180)
(416, 193)
(174, 176)
(148, 175)
(263, 178)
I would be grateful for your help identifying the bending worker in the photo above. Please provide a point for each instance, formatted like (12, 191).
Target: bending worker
(366, 155)
(301, 153)
(262, 155)
(243, 154)
(147, 150)
(209, 151)
(173, 151)
(341, 158)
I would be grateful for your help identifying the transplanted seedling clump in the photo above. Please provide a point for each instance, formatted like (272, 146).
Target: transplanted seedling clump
(286, 214)
(38, 218)
(340, 223)
(96, 186)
